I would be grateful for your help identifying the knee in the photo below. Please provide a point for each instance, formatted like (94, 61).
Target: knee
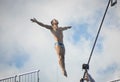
(61, 58)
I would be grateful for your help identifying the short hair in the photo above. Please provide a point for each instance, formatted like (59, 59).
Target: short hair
(54, 20)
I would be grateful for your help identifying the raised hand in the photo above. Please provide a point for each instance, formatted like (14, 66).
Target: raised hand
(70, 27)
(34, 20)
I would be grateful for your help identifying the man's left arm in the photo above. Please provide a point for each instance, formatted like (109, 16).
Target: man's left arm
(67, 27)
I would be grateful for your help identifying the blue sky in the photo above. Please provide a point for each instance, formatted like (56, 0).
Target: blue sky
(25, 46)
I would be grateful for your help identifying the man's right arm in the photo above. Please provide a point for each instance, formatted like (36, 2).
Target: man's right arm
(41, 24)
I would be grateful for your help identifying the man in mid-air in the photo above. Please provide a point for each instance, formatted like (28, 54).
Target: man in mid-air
(58, 36)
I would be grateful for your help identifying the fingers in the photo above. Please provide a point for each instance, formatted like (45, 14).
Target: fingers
(33, 20)
(70, 26)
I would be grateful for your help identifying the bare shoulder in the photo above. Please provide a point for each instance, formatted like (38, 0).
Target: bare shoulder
(61, 28)
(48, 26)
(65, 28)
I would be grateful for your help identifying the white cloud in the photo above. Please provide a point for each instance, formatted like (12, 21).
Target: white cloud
(17, 31)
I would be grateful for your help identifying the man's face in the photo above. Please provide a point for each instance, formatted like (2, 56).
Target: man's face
(54, 22)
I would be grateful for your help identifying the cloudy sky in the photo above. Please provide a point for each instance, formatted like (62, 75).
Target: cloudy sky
(25, 46)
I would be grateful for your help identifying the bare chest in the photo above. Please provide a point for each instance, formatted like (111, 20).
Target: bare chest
(57, 32)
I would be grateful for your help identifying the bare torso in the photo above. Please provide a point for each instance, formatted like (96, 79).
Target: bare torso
(58, 34)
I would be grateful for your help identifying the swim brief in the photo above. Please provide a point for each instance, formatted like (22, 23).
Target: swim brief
(59, 44)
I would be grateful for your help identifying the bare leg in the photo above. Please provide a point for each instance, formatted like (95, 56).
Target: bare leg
(61, 54)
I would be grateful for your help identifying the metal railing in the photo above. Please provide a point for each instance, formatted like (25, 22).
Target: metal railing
(29, 77)
(118, 80)
(26, 77)
(10, 79)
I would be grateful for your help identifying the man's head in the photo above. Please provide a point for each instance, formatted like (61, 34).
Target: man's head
(54, 22)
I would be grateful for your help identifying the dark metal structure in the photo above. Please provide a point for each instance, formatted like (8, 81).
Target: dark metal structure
(86, 66)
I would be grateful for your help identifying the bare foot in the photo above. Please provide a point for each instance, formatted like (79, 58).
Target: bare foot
(65, 73)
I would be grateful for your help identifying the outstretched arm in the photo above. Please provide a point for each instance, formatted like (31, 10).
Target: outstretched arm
(67, 27)
(40, 23)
